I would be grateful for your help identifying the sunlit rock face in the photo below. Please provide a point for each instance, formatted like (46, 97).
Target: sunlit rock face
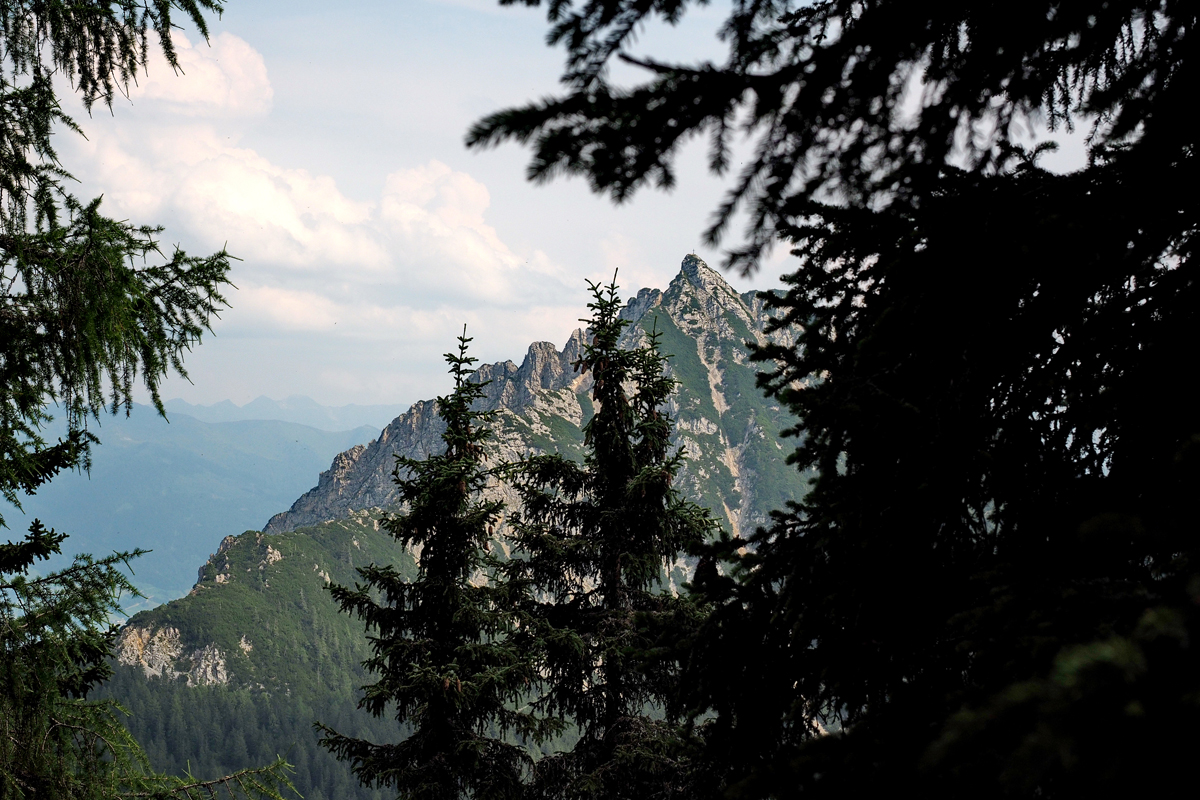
(727, 430)
(160, 654)
(155, 651)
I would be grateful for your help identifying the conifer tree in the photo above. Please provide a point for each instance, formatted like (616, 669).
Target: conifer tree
(992, 588)
(89, 305)
(56, 635)
(591, 546)
(441, 653)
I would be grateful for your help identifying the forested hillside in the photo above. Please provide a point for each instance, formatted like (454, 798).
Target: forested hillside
(237, 671)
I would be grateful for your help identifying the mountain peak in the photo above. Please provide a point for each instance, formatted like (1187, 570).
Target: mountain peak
(735, 467)
(693, 270)
(696, 271)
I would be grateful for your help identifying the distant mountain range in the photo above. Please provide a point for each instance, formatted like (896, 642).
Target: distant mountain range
(297, 408)
(177, 488)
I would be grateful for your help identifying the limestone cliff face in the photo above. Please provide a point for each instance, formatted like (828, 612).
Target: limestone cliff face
(728, 430)
(359, 479)
(160, 654)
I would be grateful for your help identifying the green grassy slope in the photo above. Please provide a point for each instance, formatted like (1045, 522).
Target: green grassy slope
(290, 656)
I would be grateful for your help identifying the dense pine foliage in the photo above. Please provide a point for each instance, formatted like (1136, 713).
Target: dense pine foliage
(56, 635)
(991, 588)
(291, 659)
(858, 103)
(212, 731)
(592, 545)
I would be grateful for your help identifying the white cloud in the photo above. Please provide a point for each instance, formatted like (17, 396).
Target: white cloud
(427, 226)
(269, 215)
(288, 309)
(625, 256)
(225, 77)
(401, 271)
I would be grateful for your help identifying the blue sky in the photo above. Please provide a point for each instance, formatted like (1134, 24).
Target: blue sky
(324, 144)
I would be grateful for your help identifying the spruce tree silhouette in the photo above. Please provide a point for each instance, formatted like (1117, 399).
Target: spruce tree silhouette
(992, 586)
(442, 644)
(591, 545)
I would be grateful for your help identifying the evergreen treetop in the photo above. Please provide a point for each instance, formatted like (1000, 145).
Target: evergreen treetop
(82, 314)
(592, 544)
(442, 654)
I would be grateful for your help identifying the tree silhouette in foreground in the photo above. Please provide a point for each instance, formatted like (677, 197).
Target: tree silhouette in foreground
(55, 641)
(83, 317)
(591, 546)
(992, 587)
(442, 655)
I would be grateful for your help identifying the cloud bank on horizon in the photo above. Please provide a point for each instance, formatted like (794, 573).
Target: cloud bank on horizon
(323, 146)
(356, 297)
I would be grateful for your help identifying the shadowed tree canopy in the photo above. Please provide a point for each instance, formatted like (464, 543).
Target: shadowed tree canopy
(991, 587)
(441, 643)
(88, 305)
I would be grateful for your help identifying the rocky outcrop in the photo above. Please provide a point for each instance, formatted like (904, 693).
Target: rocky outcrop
(544, 385)
(208, 667)
(154, 651)
(159, 653)
(720, 321)
(219, 562)
(728, 431)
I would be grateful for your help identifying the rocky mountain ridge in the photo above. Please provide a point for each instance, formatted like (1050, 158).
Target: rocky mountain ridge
(728, 431)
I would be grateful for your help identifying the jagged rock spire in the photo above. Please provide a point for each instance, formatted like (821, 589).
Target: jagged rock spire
(729, 432)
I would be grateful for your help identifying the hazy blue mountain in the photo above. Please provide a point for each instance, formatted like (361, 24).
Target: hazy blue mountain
(178, 488)
(297, 408)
